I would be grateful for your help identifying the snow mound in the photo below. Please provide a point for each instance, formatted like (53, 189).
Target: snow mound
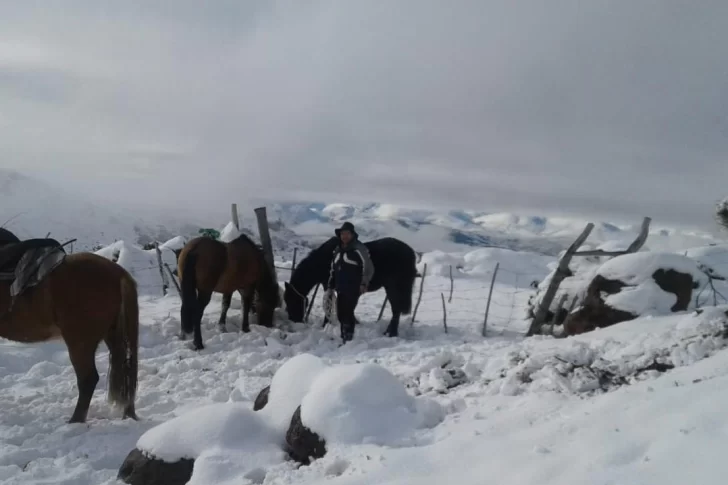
(439, 263)
(603, 360)
(142, 264)
(229, 233)
(643, 296)
(174, 244)
(227, 441)
(290, 384)
(634, 269)
(364, 403)
(482, 262)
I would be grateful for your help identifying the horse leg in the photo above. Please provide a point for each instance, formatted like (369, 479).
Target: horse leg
(226, 300)
(83, 359)
(393, 327)
(247, 297)
(203, 299)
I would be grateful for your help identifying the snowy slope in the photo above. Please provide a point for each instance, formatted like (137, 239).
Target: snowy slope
(32, 208)
(535, 411)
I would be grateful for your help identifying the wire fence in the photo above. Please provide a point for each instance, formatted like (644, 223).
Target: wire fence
(489, 301)
(493, 300)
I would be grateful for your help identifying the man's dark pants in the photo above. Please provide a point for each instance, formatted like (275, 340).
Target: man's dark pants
(346, 302)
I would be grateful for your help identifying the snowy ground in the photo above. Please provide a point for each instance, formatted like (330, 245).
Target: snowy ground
(531, 412)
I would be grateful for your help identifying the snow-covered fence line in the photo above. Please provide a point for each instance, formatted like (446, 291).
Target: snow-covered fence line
(147, 266)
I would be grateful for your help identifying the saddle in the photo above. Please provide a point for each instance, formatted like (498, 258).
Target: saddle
(27, 263)
(12, 253)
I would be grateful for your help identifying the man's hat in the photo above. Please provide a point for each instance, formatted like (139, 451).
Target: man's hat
(347, 226)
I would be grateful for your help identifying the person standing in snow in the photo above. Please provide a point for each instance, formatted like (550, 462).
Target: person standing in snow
(351, 272)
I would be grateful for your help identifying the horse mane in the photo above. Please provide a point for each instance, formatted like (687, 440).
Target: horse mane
(304, 277)
(268, 288)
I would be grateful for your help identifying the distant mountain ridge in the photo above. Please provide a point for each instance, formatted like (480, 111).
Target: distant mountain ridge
(32, 208)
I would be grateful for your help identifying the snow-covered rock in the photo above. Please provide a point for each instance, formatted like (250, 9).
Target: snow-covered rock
(227, 441)
(289, 386)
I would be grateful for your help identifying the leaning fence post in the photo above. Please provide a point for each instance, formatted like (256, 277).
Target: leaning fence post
(419, 297)
(490, 296)
(384, 305)
(449, 300)
(444, 312)
(171, 275)
(293, 264)
(165, 283)
(562, 271)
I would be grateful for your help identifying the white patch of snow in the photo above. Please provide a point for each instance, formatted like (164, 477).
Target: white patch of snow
(362, 403)
(227, 441)
(229, 233)
(288, 388)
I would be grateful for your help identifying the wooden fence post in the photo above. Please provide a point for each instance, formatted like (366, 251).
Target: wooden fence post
(234, 215)
(310, 305)
(419, 297)
(562, 271)
(263, 230)
(444, 312)
(490, 295)
(449, 300)
(165, 283)
(174, 280)
(293, 265)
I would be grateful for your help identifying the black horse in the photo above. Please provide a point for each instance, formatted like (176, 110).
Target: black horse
(394, 270)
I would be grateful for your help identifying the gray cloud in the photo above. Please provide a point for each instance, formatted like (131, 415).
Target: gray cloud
(609, 109)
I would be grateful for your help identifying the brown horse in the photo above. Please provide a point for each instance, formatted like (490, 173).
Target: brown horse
(84, 300)
(208, 266)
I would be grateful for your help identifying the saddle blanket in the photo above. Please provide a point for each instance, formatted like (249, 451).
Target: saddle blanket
(33, 267)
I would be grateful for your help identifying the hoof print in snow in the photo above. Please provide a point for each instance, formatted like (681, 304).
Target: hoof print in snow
(262, 399)
(141, 469)
(303, 444)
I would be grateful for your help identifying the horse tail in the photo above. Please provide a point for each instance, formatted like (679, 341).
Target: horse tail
(407, 284)
(268, 293)
(123, 343)
(189, 291)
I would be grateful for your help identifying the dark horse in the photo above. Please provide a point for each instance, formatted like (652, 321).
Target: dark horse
(84, 300)
(206, 265)
(394, 269)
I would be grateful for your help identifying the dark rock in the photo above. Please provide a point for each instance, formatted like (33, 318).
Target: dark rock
(594, 312)
(141, 469)
(680, 284)
(303, 444)
(262, 399)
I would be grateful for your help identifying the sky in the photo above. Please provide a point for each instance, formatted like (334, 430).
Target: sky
(599, 108)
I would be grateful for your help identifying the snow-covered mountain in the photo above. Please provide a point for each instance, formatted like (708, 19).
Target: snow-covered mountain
(32, 208)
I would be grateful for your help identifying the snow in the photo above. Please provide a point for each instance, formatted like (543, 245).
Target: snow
(425, 408)
(229, 233)
(636, 268)
(227, 441)
(142, 264)
(289, 386)
(361, 403)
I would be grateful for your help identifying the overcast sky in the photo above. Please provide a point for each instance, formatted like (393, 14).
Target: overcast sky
(596, 108)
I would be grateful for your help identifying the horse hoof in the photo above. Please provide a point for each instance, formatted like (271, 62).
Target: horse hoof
(197, 347)
(245, 329)
(222, 328)
(182, 336)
